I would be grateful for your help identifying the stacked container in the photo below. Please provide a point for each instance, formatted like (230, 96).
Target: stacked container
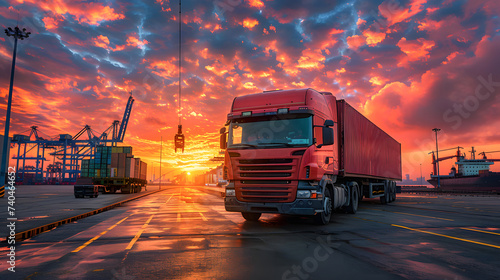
(108, 162)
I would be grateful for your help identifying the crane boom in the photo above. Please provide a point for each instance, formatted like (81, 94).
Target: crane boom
(126, 116)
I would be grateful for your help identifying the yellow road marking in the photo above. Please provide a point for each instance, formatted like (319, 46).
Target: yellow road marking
(422, 216)
(411, 214)
(482, 231)
(143, 228)
(203, 217)
(99, 235)
(447, 236)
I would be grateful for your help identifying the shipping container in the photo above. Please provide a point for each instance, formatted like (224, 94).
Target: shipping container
(366, 150)
(144, 170)
(130, 168)
(115, 168)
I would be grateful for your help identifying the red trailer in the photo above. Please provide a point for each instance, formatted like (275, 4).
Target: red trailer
(303, 152)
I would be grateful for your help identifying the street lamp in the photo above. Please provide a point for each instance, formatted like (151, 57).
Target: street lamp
(18, 34)
(437, 154)
(161, 151)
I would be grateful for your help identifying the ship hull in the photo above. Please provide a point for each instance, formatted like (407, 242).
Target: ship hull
(489, 182)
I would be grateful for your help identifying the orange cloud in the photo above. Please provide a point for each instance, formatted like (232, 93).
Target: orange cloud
(52, 23)
(90, 13)
(101, 41)
(429, 24)
(256, 3)
(373, 38)
(377, 81)
(249, 23)
(451, 57)
(164, 68)
(360, 22)
(311, 59)
(218, 69)
(356, 41)
(250, 85)
(135, 42)
(415, 49)
(395, 13)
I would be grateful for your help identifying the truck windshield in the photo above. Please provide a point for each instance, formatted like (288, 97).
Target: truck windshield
(271, 132)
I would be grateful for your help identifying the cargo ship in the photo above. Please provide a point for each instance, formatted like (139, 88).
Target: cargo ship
(467, 175)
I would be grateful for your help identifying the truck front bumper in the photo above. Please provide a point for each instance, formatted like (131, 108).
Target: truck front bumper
(298, 207)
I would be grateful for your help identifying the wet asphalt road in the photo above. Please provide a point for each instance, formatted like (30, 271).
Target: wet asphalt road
(183, 233)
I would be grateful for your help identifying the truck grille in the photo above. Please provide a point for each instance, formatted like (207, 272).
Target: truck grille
(266, 180)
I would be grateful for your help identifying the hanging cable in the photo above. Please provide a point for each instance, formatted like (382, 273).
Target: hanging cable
(179, 137)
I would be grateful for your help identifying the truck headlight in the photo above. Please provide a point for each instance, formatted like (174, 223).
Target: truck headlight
(303, 194)
(230, 192)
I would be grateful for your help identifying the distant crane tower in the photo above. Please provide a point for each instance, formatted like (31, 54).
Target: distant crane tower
(70, 150)
(179, 137)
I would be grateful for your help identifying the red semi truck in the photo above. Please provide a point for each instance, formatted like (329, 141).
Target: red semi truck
(303, 152)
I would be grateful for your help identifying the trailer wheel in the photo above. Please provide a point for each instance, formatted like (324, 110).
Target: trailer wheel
(253, 217)
(323, 218)
(383, 199)
(353, 204)
(394, 191)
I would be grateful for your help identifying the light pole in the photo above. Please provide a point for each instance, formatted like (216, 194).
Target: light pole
(18, 34)
(421, 183)
(153, 171)
(437, 154)
(161, 148)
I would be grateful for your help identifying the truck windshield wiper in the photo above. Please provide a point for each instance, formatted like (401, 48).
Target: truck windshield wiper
(244, 145)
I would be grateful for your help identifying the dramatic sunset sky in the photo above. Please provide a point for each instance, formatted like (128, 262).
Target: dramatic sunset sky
(409, 66)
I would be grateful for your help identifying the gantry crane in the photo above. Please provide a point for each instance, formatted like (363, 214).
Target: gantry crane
(484, 155)
(70, 150)
(435, 160)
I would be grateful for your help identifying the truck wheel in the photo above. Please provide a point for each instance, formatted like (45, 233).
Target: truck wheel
(323, 218)
(394, 191)
(253, 217)
(383, 199)
(353, 204)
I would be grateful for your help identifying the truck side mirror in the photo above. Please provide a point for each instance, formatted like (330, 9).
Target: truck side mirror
(327, 136)
(328, 123)
(223, 138)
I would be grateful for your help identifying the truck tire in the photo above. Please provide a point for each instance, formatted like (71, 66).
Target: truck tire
(383, 199)
(323, 218)
(353, 204)
(394, 191)
(253, 217)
